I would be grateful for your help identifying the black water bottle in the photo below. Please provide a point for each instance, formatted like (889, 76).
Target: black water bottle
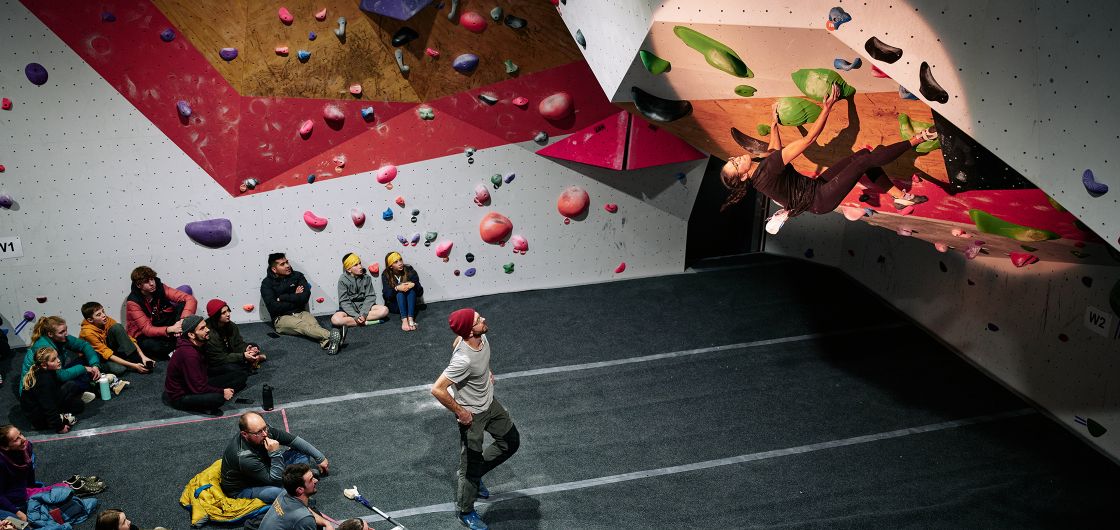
(266, 397)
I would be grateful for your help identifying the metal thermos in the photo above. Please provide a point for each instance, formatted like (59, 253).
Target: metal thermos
(266, 397)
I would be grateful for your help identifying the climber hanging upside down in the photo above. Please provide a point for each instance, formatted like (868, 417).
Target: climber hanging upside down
(773, 176)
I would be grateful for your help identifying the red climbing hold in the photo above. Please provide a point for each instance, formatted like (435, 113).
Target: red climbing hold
(6, 104)
(611, 207)
(1022, 259)
(248, 307)
(320, 299)
(556, 107)
(473, 22)
(314, 221)
(573, 201)
(495, 227)
(620, 268)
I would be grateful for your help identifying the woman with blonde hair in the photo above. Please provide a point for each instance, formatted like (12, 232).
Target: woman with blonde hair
(80, 363)
(400, 287)
(47, 401)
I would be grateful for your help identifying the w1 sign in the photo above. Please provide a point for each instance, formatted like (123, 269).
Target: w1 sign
(10, 247)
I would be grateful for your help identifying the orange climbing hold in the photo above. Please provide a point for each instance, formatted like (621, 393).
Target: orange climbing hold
(495, 227)
(572, 202)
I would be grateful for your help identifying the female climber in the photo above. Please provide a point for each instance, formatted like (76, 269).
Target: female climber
(773, 176)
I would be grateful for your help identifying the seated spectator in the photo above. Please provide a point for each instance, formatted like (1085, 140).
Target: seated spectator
(46, 400)
(354, 524)
(80, 364)
(119, 352)
(400, 287)
(17, 472)
(226, 351)
(154, 312)
(292, 510)
(116, 520)
(357, 298)
(285, 293)
(253, 462)
(187, 386)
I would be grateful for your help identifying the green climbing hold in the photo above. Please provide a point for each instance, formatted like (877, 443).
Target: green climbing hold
(511, 67)
(763, 129)
(988, 223)
(816, 83)
(716, 53)
(1055, 204)
(496, 180)
(1079, 254)
(508, 268)
(653, 63)
(1028, 248)
(796, 111)
(745, 90)
(430, 236)
(908, 129)
(1096, 430)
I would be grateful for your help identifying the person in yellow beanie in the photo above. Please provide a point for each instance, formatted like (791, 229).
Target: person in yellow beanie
(357, 298)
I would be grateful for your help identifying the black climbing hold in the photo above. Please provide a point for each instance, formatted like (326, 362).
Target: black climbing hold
(809, 253)
(470, 257)
(1087, 281)
(404, 36)
(970, 282)
(941, 265)
(487, 99)
(516, 22)
(929, 87)
(755, 148)
(659, 109)
(881, 259)
(992, 327)
(580, 40)
(881, 51)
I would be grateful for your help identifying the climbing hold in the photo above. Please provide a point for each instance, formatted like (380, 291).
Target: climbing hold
(541, 137)
(469, 151)
(972, 252)
(908, 129)
(454, 12)
(333, 113)
(488, 99)
(494, 227)
(465, 63)
(443, 250)
(282, 50)
(620, 268)
(386, 174)
(311, 35)
(425, 112)
(875, 71)
(6, 201)
(718, 55)
(249, 184)
(433, 53)
(991, 224)
(556, 107)
(903, 231)
(496, 14)
(1086, 281)
(429, 237)
(167, 35)
(851, 213)
(816, 83)
(469, 272)
(285, 15)
(520, 244)
(321, 15)
(520, 101)
(358, 216)
(580, 40)
(400, 201)
(402, 239)
(415, 212)
(509, 178)
(572, 202)
(654, 64)
(881, 51)
(496, 180)
(481, 195)
(905, 94)
(796, 111)
(469, 257)
(303, 55)
(473, 22)
(415, 239)
(314, 221)
(374, 268)
(842, 64)
(837, 17)
(355, 89)
(2, 168)
(809, 253)
(511, 67)
(992, 327)
(311, 178)
(248, 307)
(660, 109)
(305, 128)
(184, 108)
(745, 91)
(227, 54)
(929, 87)
(508, 267)
(1021, 259)
(516, 22)
(35, 73)
(6, 104)
(404, 36)
(320, 300)
(1079, 254)
(108, 17)
(941, 247)
(41, 299)
(763, 129)
(387, 215)
(399, 55)
(611, 207)
(1096, 189)
(340, 31)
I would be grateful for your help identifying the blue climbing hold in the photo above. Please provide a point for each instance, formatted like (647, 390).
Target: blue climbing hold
(837, 16)
(367, 113)
(387, 214)
(167, 35)
(311, 178)
(469, 272)
(303, 55)
(842, 64)
(905, 94)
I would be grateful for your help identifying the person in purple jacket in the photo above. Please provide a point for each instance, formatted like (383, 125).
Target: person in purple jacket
(17, 472)
(187, 386)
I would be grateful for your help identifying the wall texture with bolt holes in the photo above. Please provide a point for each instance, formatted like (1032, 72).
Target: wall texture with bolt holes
(99, 190)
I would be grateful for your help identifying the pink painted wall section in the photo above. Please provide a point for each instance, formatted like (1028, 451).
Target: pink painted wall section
(602, 144)
(651, 146)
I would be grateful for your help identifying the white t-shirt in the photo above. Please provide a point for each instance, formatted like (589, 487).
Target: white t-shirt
(469, 369)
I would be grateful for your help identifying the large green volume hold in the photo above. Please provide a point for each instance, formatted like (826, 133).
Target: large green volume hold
(908, 129)
(653, 63)
(797, 111)
(815, 83)
(715, 52)
(990, 224)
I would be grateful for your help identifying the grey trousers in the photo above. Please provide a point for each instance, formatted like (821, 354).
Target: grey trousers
(117, 339)
(474, 461)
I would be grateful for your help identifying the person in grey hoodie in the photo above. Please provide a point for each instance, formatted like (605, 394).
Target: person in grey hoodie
(357, 298)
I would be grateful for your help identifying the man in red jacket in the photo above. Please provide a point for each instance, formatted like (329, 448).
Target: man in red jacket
(154, 311)
(187, 386)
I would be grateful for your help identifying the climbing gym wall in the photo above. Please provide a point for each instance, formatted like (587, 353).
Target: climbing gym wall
(1013, 260)
(198, 137)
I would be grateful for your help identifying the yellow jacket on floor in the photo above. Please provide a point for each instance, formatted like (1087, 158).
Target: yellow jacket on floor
(204, 496)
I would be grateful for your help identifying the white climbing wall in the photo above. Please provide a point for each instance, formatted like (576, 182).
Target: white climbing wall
(99, 190)
(613, 32)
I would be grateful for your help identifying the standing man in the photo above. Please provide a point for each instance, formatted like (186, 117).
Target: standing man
(285, 293)
(253, 462)
(292, 510)
(476, 410)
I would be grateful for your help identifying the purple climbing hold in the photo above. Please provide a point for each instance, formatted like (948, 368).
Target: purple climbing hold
(228, 54)
(186, 289)
(184, 108)
(311, 178)
(402, 239)
(6, 201)
(167, 35)
(469, 272)
(510, 177)
(398, 9)
(1096, 189)
(36, 73)
(108, 17)
(213, 233)
(311, 35)
(465, 63)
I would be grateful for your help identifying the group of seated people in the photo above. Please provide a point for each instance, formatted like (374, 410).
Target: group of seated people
(209, 359)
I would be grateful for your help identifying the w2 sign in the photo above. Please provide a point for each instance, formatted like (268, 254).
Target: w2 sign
(1102, 323)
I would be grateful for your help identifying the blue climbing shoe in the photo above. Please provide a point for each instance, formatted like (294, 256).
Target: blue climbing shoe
(483, 493)
(472, 520)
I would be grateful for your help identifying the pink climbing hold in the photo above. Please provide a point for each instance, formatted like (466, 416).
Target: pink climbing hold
(443, 249)
(1022, 259)
(285, 15)
(941, 247)
(851, 213)
(481, 195)
(556, 107)
(333, 113)
(573, 201)
(321, 15)
(495, 227)
(620, 268)
(358, 216)
(520, 244)
(248, 307)
(314, 221)
(611, 207)
(305, 128)
(320, 300)
(521, 101)
(6, 104)
(386, 174)
(875, 71)
(473, 22)
(957, 232)
(400, 201)
(432, 52)
(356, 89)
(375, 268)
(282, 50)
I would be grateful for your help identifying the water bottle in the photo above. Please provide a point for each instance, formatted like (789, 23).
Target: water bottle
(266, 397)
(104, 384)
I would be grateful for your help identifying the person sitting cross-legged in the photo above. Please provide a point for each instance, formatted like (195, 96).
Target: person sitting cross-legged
(357, 298)
(286, 293)
(253, 461)
(225, 350)
(119, 352)
(188, 386)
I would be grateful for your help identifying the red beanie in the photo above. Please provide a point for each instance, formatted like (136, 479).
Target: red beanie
(461, 322)
(213, 307)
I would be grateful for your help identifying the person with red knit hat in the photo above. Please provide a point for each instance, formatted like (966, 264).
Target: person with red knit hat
(225, 350)
(476, 410)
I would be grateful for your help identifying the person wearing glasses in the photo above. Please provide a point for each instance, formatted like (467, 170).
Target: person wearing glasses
(254, 461)
(774, 177)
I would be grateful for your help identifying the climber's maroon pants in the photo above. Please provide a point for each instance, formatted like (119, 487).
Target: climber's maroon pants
(842, 177)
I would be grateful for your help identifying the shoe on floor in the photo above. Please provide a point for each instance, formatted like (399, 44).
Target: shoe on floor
(88, 397)
(775, 222)
(472, 520)
(908, 199)
(87, 487)
(342, 335)
(483, 493)
(118, 386)
(333, 342)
